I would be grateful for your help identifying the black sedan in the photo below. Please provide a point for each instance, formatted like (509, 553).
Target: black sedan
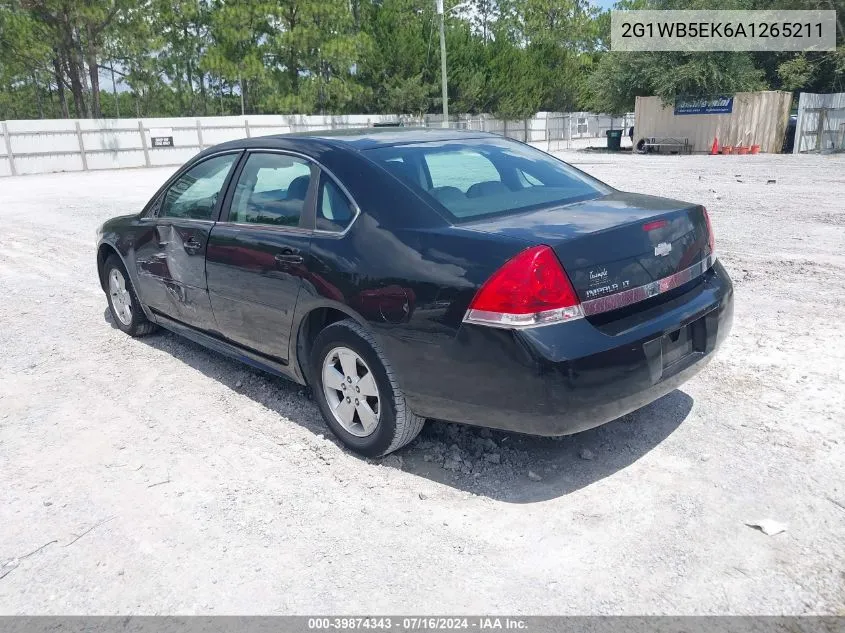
(412, 274)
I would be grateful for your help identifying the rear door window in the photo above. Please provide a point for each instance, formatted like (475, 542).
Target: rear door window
(271, 189)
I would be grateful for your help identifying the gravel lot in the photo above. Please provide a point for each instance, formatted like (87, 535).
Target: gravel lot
(163, 478)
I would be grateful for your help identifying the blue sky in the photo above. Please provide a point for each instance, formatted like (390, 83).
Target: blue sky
(604, 4)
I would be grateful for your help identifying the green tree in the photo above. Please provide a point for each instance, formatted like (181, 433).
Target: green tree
(509, 57)
(183, 30)
(620, 77)
(401, 70)
(25, 65)
(239, 32)
(79, 31)
(560, 39)
(317, 47)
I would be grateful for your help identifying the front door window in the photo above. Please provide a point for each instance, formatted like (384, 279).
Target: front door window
(194, 195)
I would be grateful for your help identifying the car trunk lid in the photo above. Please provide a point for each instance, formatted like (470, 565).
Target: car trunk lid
(619, 243)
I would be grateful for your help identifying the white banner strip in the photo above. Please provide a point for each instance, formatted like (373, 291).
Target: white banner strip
(700, 31)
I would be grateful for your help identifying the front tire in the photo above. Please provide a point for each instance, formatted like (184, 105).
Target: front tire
(357, 391)
(125, 308)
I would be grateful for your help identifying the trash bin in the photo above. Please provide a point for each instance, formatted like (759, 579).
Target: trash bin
(614, 140)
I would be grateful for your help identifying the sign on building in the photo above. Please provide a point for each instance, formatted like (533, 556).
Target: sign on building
(714, 105)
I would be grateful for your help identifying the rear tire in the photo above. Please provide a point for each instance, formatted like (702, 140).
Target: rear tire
(358, 393)
(125, 308)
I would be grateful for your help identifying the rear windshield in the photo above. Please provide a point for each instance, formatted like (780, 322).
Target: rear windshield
(486, 177)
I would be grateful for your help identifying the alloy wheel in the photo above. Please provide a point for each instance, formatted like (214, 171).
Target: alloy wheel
(351, 391)
(121, 300)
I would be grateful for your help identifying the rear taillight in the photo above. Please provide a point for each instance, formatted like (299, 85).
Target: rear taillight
(711, 237)
(529, 290)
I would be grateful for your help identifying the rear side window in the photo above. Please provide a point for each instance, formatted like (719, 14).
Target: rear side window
(485, 177)
(194, 194)
(334, 210)
(271, 189)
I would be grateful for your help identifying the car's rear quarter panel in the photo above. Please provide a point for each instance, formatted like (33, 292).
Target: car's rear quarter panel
(411, 286)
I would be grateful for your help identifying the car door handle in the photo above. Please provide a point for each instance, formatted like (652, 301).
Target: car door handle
(192, 245)
(289, 257)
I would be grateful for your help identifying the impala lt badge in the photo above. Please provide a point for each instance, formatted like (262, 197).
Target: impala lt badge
(662, 249)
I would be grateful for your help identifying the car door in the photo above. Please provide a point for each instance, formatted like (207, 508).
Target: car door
(171, 263)
(256, 252)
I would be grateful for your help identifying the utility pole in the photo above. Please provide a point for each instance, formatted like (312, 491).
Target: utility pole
(443, 62)
(241, 86)
(114, 91)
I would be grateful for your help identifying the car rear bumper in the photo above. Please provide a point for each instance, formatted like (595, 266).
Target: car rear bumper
(566, 378)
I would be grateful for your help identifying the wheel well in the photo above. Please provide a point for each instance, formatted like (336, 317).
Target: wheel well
(310, 327)
(102, 255)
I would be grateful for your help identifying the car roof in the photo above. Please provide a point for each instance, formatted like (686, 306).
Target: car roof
(369, 137)
(360, 138)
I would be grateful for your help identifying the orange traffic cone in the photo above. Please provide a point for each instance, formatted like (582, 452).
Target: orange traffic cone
(714, 149)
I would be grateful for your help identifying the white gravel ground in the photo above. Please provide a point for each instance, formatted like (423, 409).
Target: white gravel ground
(163, 478)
